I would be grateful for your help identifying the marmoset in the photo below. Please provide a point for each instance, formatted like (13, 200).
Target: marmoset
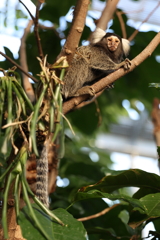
(91, 63)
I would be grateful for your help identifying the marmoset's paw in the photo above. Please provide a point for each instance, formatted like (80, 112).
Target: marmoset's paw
(85, 90)
(127, 64)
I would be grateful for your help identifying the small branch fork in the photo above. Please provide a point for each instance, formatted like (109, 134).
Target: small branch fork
(104, 82)
(35, 21)
(123, 28)
(145, 20)
(19, 67)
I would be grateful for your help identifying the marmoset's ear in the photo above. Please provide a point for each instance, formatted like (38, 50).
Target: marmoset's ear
(125, 46)
(97, 35)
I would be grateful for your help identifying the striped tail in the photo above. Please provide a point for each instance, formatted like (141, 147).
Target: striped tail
(42, 176)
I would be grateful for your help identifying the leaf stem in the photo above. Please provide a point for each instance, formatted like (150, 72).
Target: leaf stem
(32, 214)
(4, 207)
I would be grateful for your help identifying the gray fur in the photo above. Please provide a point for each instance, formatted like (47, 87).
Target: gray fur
(91, 63)
(42, 177)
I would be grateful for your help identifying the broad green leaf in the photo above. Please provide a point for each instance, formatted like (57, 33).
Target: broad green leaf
(29, 230)
(132, 177)
(97, 194)
(151, 203)
(73, 230)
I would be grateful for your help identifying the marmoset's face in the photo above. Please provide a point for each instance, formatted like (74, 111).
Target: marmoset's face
(112, 43)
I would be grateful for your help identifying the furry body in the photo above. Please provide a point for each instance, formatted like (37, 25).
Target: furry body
(93, 62)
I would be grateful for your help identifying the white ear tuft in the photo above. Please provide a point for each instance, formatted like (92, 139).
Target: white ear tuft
(126, 46)
(97, 35)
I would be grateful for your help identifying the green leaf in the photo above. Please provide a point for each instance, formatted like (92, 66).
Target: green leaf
(132, 177)
(29, 230)
(8, 52)
(20, 14)
(156, 85)
(151, 203)
(73, 230)
(97, 194)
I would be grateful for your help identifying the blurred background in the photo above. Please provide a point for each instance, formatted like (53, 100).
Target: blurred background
(116, 132)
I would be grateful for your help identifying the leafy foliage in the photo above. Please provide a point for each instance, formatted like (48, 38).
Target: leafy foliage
(130, 215)
(71, 230)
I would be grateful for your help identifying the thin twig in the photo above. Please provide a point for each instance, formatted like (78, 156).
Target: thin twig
(15, 123)
(19, 67)
(27, 10)
(98, 214)
(23, 60)
(35, 20)
(70, 126)
(123, 28)
(36, 31)
(145, 20)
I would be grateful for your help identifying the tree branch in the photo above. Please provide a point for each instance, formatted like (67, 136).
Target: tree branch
(38, 39)
(35, 20)
(76, 30)
(27, 10)
(23, 61)
(145, 20)
(107, 14)
(19, 67)
(123, 27)
(104, 82)
(98, 214)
